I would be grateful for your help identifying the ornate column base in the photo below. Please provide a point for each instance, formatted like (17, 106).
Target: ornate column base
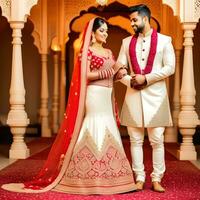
(55, 125)
(45, 130)
(188, 120)
(17, 120)
(187, 150)
(18, 148)
(55, 129)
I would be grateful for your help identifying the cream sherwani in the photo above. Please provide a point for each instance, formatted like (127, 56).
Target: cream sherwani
(149, 107)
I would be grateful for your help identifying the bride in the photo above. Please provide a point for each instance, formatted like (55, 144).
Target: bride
(87, 156)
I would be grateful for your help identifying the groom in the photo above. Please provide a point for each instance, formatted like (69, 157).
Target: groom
(150, 58)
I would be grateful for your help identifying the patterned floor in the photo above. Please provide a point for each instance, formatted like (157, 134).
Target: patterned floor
(182, 180)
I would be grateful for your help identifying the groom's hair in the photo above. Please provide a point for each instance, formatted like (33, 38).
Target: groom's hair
(142, 10)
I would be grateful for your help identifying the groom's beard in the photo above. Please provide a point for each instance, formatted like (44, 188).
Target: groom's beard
(138, 29)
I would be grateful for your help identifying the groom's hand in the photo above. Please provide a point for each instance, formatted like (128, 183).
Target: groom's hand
(138, 81)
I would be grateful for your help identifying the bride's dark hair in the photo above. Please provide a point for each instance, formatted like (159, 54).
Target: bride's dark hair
(98, 22)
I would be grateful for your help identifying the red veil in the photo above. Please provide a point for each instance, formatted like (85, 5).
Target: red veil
(61, 151)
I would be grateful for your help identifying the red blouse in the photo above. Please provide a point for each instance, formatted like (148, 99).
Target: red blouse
(97, 61)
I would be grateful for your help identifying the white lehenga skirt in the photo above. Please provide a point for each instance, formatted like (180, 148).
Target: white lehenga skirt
(99, 117)
(98, 164)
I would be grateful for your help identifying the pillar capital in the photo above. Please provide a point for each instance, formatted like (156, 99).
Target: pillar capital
(17, 25)
(17, 10)
(189, 10)
(189, 25)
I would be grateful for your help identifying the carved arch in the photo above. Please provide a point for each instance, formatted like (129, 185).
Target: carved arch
(37, 40)
(110, 13)
(172, 4)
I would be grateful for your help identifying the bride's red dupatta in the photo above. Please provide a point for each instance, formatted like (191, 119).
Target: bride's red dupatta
(61, 151)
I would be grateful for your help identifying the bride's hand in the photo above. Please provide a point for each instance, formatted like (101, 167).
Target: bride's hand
(120, 74)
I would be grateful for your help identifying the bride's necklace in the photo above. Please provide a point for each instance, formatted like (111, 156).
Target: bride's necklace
(98, 49)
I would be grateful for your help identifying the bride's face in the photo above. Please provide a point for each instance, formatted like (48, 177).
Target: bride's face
(101, 33)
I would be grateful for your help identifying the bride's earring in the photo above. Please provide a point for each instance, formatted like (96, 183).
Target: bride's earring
(93, 39)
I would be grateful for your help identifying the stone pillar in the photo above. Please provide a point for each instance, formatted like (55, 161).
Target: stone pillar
(171, 133)
(55, 103)
(16, 11)
(188, 119)
(44, 112)
(17, 117)
(62, 89)
(62, 40)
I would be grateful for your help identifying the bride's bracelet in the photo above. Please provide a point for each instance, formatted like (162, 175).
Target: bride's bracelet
(106, 73)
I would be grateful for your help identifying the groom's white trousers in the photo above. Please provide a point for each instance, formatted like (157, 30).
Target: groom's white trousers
(156, 139)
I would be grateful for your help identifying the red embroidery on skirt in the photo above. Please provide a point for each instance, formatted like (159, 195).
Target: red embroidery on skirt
(86, 165)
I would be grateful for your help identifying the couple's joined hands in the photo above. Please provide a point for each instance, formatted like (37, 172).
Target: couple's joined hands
(120, 74)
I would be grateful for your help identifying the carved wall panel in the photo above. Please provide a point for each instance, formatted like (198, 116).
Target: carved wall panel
(197, 9)
(5, 7)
